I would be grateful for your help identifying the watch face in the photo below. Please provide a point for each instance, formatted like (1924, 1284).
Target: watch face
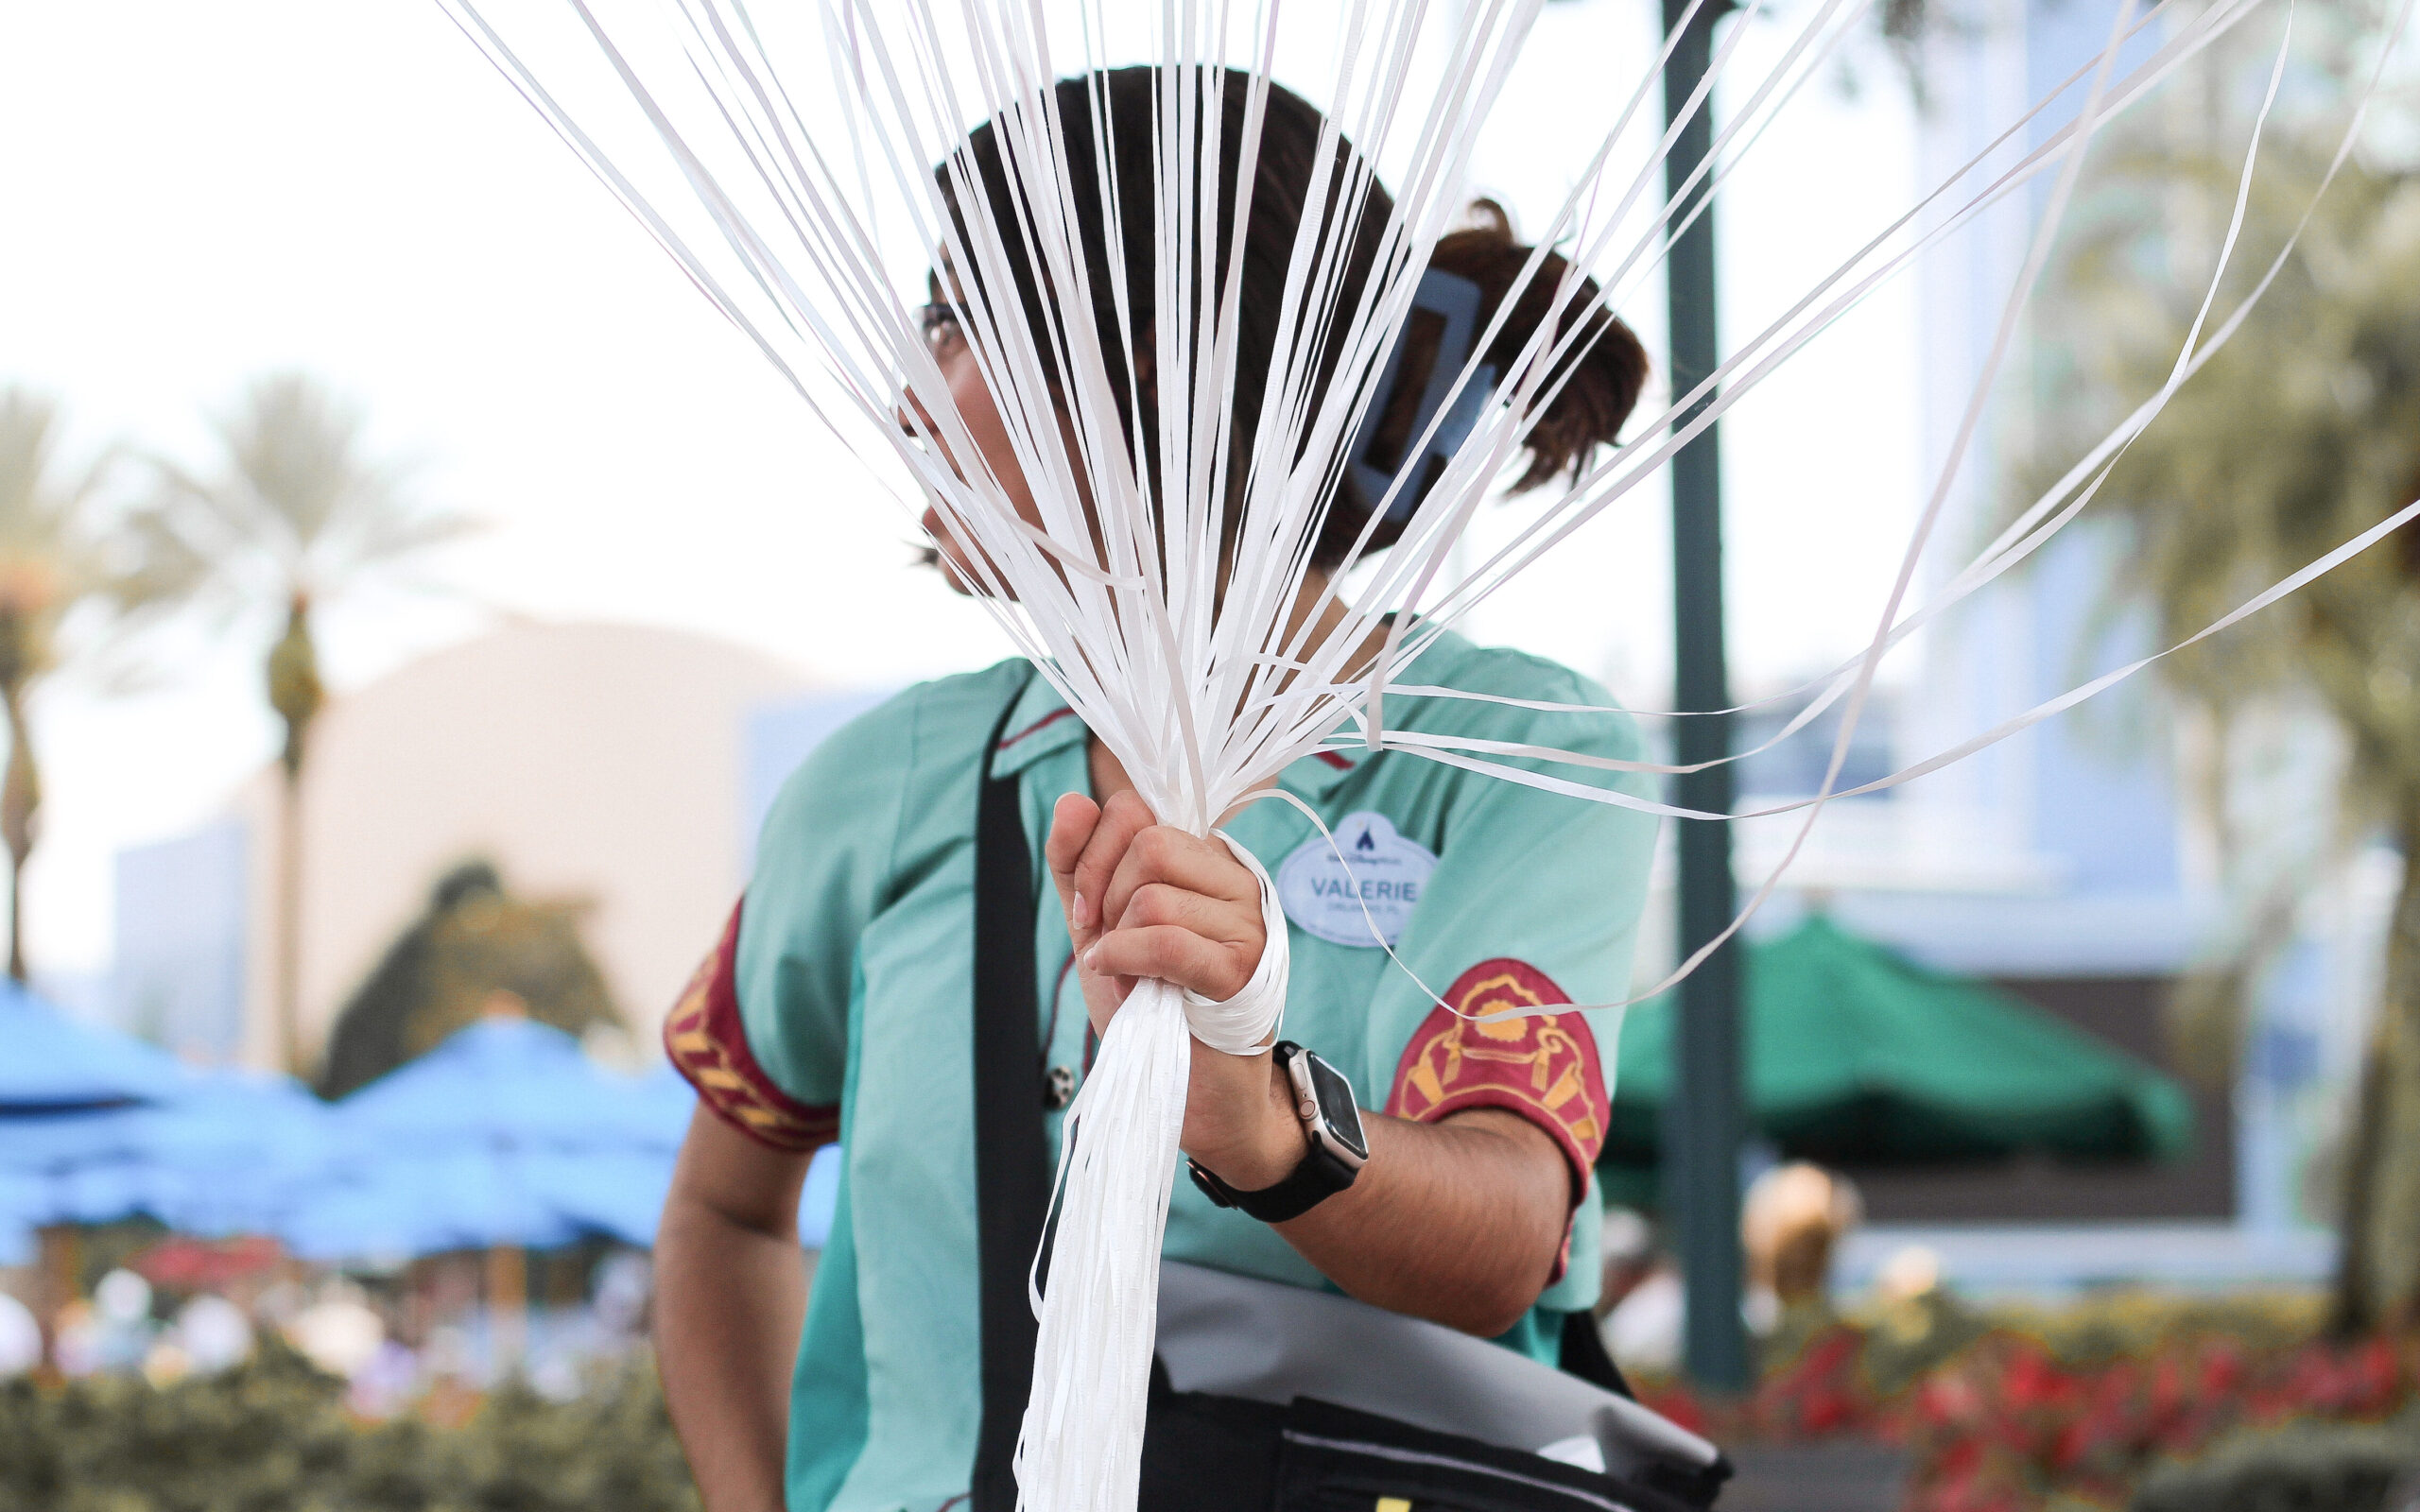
(1335, 1095)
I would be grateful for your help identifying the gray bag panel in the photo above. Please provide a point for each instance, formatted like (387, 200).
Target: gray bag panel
(1236, 1337)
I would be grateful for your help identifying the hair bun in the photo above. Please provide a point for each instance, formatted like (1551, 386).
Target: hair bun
(1600, 374)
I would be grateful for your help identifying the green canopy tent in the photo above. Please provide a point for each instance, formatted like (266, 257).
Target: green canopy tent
(1858, 1057)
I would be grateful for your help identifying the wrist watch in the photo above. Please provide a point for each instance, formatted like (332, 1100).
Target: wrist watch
(1338, 1149)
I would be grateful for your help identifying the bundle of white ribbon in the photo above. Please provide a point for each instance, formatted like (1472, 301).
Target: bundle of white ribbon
(1246, 1023)
(1117, 1153)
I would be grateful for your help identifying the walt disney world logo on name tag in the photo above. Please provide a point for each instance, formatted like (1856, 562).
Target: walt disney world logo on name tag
(1381, 871)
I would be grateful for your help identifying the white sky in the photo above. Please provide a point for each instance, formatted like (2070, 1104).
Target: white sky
(192, 194)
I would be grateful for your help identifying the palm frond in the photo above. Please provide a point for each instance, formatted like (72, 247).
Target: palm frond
(299, 506)
(51, 559)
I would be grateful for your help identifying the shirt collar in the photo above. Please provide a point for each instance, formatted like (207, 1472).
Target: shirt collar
(1042, 724)
(1315, 774)
(1312, 776)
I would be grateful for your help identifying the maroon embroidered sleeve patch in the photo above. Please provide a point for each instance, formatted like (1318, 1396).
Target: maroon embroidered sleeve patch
(1543, 1067)
(708, 1046)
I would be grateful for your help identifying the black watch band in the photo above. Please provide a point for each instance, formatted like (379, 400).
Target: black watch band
(1320, 1177)
(1324, 1171)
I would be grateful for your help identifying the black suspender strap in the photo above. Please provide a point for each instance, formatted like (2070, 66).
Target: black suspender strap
(1583, 1356)
(1011, 1154)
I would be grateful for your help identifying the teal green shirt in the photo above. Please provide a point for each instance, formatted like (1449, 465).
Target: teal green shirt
(853, 977)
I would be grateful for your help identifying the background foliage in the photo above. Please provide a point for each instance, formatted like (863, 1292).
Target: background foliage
(2078, 1409)
(2300, 433)
(274, 1437)
(2157, 1405)
(2301, 1469)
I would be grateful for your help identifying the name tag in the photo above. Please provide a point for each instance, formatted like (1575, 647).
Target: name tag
(1378, 882)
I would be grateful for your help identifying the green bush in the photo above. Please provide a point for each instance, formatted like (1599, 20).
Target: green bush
(273, 1436)
(610, 1451)
(2114, 1324)
(258, 1438)
(2308, 1467)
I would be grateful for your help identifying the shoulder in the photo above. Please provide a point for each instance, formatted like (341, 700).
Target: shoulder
(924, 715)
(1586, 719)
(918, 736)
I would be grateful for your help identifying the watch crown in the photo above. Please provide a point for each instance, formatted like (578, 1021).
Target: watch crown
(1308, 1110)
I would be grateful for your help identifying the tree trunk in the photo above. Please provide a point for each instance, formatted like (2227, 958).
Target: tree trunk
(287, 983)
(16, 917)
(59, 1266)
(507, 1291)
(2378, 1282)
(20, 805)
(295, 692)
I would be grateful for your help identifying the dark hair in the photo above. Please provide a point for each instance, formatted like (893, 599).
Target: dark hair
(1601, 375)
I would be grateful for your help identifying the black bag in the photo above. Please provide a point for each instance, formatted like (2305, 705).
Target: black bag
(1203, 1452)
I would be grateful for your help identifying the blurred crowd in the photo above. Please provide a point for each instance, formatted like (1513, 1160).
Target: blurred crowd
(181, 1308)
(1794, 1219)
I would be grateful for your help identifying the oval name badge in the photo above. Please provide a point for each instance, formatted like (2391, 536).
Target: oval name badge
(1382, 872)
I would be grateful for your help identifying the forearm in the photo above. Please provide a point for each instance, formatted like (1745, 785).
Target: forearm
(1459, 1222)
(730, 1300)
(729, 1304)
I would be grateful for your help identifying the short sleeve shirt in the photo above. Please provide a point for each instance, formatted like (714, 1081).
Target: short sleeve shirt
(838, 1006)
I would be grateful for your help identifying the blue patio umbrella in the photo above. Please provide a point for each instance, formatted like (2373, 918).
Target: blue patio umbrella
(395, 1205)
(53, 1064)
(619, 1194)
(504, 1135)
(670, 1101)
(508, 1082)
(224, 1152)
(818, 1201)
(18, 1243)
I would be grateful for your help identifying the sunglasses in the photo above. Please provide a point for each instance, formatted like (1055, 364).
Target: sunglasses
(939, 323)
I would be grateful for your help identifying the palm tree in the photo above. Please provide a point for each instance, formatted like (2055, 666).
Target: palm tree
(299, 514)
(47, 566)
(2302, 433)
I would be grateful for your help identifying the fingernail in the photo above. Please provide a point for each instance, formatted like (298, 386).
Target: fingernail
(1084, 911)
(1088, 957)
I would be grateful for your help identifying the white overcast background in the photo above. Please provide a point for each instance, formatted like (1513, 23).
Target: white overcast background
(192, 193)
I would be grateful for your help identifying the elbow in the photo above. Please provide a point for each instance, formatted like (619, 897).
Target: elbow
(1485, 1302)
(1489, 1322)
(1495, 1294)
(1488, 1302)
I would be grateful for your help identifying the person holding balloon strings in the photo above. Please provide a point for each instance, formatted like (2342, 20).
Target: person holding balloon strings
(836, 1005)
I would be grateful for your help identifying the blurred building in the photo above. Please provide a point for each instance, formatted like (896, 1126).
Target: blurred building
(2061, 862)
(178, 972)
(617, 766)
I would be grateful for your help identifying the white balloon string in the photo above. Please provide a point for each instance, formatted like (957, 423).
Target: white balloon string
(1245, 1024)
